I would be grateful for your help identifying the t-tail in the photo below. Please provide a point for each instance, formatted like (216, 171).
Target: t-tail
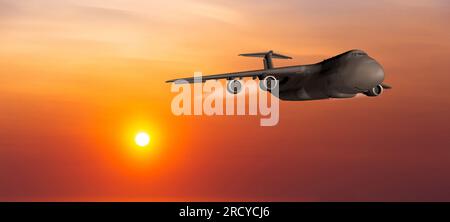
(268, 56)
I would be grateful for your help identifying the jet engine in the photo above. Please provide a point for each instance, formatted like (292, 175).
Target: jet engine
(234, 86)
(375, 91)
(268, 83)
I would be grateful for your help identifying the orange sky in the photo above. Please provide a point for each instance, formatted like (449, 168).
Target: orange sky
(79, 78)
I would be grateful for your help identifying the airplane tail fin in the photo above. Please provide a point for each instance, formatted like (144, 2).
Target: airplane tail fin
(268, 56)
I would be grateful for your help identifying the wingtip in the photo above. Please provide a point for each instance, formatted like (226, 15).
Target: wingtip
(386, 86)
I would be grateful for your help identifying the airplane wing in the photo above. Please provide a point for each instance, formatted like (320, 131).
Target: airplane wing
(235, 75)
(268, 70)
(386, 86)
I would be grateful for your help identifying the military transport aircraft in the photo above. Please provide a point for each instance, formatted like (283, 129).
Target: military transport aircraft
(342, 76)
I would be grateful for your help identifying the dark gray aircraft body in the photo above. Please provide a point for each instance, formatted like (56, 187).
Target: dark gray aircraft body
(342, 76)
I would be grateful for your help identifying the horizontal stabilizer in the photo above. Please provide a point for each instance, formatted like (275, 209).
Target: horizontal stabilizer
(264, 54)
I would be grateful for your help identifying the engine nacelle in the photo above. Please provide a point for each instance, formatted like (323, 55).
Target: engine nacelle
(268, 83)
(375, 91)
(234, 86)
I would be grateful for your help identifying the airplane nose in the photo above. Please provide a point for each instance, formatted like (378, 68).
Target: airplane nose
(368, 74)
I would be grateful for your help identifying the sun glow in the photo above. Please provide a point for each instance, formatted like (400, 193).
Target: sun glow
(142, 139)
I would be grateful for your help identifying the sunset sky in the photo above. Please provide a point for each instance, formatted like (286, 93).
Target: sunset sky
(79, 78)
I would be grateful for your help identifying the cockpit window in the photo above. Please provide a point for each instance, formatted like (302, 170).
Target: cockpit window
(359, 54)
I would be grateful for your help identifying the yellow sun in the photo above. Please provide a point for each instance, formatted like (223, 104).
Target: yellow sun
(142, 139)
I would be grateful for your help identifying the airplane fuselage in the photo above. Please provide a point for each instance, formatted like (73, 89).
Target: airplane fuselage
(342, 76)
